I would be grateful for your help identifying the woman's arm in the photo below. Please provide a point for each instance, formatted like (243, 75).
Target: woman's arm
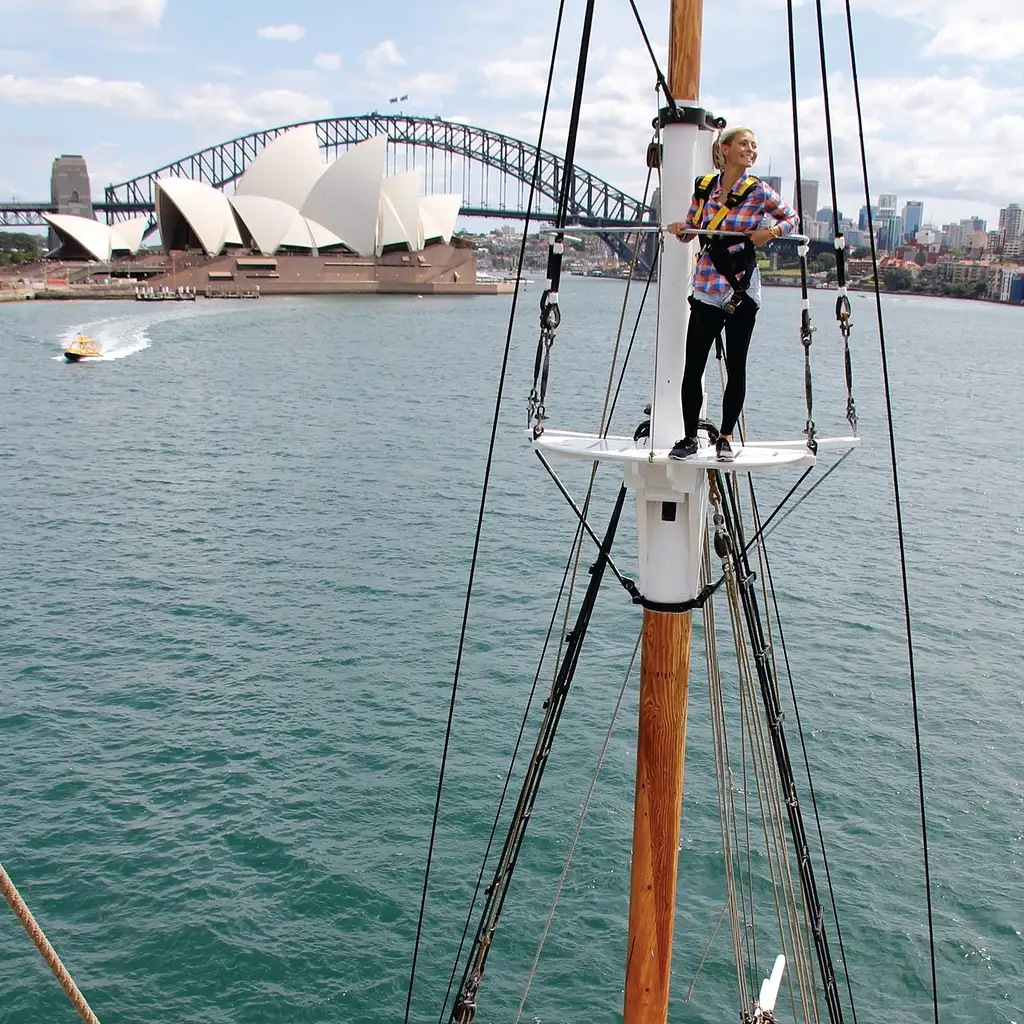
(678, 227)
(780, 211)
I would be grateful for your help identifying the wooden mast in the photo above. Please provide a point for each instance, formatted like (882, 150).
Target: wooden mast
(664, 677)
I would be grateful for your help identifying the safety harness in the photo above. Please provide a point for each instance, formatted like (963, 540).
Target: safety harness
(736, 267)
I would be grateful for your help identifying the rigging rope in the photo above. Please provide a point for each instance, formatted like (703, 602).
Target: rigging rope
(579, 829)
(49, 954)
(480, 518)
(464, 1010)
(550, 315)
(770, 581)
(843, 310)
(899, 513)
(770, 699)
(806, 330)
(512, 762)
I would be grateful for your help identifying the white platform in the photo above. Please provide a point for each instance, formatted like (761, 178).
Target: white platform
(755, 455)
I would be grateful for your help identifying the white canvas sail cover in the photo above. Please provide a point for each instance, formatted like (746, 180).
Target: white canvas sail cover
(346, 197)
(286, 169)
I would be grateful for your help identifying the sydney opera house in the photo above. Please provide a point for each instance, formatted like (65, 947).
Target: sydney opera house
(295, 224)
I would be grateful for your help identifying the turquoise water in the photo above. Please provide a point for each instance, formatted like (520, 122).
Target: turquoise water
(233, 557)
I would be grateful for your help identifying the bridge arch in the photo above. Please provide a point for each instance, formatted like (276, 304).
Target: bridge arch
(469, 155)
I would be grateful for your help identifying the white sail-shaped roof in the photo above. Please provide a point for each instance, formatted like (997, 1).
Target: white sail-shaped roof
(322, 238)
(400, 212)
(346, 197)
(90, 234)
(206, 211)
(438, 215)
(126, 236)
(286, 169)
(272, 223)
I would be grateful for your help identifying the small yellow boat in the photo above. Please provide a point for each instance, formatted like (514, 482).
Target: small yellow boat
(82, 348)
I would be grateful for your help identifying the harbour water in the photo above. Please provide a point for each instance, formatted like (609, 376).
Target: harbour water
(233, 557)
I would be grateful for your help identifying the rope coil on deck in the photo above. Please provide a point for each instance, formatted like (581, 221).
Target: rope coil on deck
(49, 954)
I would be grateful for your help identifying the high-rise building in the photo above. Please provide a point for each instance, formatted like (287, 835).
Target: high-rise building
(889, 231)
(913, 214)
(773, 181)
(862, 220)
(70, 190)
(808, 192)
(887, 205)
(1010, 223)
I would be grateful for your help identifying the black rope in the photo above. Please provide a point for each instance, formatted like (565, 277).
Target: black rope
(550, 315)
(464, 1009)
(479, 524)
(806, 330)
(511, 766)
(662, 81)
(843, 309)
(899, 513)
(745, 576)
(803, 747)
(632, 339)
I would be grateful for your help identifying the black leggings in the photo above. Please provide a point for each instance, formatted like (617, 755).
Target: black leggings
(706, 321)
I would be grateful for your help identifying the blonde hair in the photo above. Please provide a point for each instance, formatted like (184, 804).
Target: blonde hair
(725, 138)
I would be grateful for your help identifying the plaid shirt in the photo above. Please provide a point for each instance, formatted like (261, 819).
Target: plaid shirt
(763, 203)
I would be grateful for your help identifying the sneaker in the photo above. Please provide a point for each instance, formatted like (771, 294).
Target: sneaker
(723, 450)
(684, 449)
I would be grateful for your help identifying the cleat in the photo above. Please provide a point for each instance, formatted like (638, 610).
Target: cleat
(684, 449)
(723, 450)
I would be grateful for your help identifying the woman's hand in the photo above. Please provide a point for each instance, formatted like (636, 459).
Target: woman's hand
(762, 236)
(678, 228)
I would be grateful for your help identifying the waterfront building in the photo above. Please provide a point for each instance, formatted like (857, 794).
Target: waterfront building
(913, 214)
(287, 200)
(1010, 223)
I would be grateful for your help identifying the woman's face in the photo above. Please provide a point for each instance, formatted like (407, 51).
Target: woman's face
(741, 150)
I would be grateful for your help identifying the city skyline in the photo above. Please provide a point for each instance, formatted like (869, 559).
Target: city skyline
(135, 84)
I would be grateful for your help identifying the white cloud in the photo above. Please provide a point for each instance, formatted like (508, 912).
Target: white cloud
(327, 62)
(218, 104)
(289, 33)
(513, 79)
(77, 90)
(984, 33)
(383, 55)
(119, 14)
(429, 84)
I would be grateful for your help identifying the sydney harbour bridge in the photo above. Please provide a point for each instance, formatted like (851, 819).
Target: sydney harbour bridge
(492, 172)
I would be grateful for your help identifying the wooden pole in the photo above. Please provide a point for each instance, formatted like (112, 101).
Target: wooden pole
(664, 675)
(684, 49)
(664, 678)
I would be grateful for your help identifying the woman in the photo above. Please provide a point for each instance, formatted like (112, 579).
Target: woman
(726, 284)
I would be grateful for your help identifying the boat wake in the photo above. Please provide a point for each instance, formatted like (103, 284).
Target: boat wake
(120, 336)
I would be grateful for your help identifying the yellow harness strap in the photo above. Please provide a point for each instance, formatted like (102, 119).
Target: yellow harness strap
(703, 190)
(735, 197)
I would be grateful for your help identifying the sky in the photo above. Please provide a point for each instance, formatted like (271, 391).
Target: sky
(134, 84)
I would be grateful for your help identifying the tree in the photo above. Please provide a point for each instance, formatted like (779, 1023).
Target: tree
(19, 247)
(897, 279)
(861, 252)
(921, 258)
